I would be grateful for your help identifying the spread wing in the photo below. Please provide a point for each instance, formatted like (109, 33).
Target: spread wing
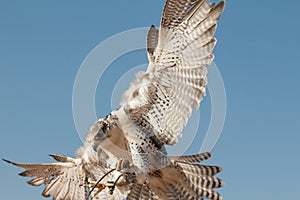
(68, 178)
(179, 52)
(62, 180)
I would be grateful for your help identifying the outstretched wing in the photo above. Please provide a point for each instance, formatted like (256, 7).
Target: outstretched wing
(68, 178)
(179, 52)
(62, 180)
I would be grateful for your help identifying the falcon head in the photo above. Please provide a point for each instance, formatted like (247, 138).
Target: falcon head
(106, 134)
(101, 130)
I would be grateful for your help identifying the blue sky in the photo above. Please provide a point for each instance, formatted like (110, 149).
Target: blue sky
(43, 43)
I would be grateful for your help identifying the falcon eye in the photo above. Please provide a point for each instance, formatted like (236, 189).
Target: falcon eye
(101, 130)
(104, 127)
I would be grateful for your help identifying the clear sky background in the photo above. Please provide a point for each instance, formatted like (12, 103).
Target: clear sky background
(43, 43)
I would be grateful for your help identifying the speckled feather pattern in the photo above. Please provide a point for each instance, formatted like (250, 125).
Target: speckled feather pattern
(175, 82)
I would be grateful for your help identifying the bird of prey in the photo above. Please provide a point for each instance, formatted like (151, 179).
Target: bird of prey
(124, 154)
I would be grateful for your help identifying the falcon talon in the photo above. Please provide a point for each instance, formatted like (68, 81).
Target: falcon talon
(111, 186)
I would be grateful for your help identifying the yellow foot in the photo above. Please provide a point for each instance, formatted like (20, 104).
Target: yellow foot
(111, 187)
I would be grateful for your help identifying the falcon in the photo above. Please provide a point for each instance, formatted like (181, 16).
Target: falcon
(124, 154)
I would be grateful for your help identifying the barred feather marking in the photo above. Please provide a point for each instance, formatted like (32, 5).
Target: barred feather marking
(200, 178)
(199, 169)
(135, 192)
(192, 158)
(177, 67)
(197, 14)
(152, 40)
(174, 11)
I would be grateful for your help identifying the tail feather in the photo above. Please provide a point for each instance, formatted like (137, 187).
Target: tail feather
(135, 192)
(199, 169)
(199, 178)
(209, 182)
(185, 178)
(181, 193)
(192, 158)
(210, 194)
(141, 192)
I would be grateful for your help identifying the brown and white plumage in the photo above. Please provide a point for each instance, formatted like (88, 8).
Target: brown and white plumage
(175, 80)
(69, 173)
(160, 101)
(184, 178)
(153, 112)
(66, 179)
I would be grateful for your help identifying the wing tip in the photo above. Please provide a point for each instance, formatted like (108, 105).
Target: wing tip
(219, 169)
(10, 162)
(58, 158)
(24, 174)
(208, 155)
(221, 5)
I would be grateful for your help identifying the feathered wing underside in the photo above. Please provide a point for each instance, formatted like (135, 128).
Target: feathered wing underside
(62, 180)
(175, 81)
(67, 179)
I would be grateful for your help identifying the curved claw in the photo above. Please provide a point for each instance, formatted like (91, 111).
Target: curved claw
(111, 187)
